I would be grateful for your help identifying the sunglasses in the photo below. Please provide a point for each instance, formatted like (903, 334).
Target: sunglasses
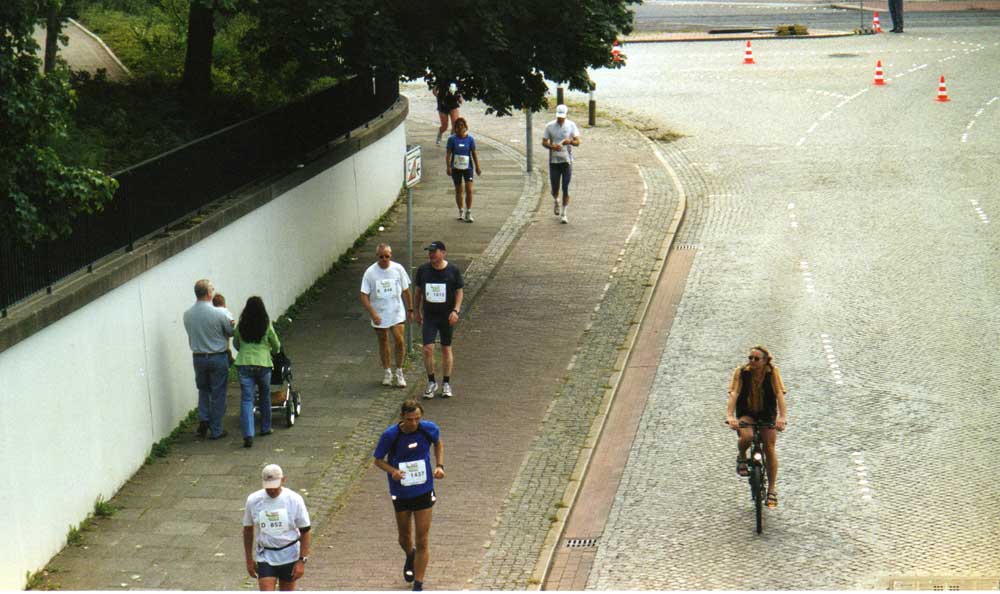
(385, 257)
(754, 358)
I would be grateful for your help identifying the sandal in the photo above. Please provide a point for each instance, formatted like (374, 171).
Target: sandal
(772, 499)
(741, 467)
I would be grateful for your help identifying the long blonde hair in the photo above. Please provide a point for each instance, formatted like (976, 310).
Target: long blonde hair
(754, 399)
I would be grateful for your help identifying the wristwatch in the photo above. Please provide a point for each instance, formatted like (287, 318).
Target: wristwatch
(303, 559)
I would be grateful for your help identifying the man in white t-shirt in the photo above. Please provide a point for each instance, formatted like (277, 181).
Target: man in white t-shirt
(385, 295)
(282, 543)
(560, 136)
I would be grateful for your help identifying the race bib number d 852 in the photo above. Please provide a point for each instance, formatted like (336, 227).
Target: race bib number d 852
(415, 473)
(273, 521)
(437, 292)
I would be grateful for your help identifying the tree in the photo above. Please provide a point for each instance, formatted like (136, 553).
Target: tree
(500, 51)
(39, 195)
(196, 82)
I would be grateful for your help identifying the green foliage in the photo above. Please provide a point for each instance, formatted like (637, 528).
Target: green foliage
(40, 195)
(499, 52)
(75, 535)
(103, 509)
(161, 448)
(39, 580)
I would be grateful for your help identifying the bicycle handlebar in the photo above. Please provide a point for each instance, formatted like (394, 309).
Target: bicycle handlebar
(758, 424)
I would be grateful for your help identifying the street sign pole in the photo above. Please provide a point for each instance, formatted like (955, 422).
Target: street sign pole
(527, 136)
(411, 177)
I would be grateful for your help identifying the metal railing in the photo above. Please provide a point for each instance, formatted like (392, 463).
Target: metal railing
(166, 188)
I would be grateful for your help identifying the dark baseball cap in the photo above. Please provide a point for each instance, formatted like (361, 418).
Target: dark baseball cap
(435, 245)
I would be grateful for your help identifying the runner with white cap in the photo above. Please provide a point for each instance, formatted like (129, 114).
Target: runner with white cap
(560, 136)
(282, 542)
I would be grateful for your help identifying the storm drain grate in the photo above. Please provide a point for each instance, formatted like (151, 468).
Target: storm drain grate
(686, 246)
(942, 583)
(581, 543)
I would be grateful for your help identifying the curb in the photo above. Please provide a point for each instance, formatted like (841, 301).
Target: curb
(555, 532)
(698, 37)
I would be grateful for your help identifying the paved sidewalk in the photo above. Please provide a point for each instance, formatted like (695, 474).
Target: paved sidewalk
(550, 307)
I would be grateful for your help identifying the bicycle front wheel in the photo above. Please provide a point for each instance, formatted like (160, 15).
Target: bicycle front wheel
(757, 487)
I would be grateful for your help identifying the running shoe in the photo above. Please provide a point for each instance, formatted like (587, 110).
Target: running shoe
(418, 586)
(446, 390)
(400, 379)
(461, 215)
(387, 378)
(564, 220)
(438, 141)
(431, 388)
(555, 206)
(408, 566)
(468, 216)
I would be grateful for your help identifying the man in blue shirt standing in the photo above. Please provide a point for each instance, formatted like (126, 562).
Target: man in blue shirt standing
(404, 453)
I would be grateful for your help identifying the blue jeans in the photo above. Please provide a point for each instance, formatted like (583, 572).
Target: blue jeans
(254, 376)
(211, 373)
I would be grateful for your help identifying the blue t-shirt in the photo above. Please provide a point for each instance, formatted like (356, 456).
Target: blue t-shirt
(461, 151)
(410, 452)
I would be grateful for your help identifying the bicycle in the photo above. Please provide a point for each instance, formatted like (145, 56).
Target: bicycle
(757, 465)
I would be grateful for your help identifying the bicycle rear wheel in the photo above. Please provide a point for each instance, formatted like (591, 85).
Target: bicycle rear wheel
(757, 487)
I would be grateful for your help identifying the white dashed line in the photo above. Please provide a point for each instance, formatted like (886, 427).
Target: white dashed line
(831, 359)
(972, 122)
(807, 278)
(983, 217)
(793, 220)
(861, 471)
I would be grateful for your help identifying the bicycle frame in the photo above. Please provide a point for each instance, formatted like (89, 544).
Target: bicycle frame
(757, 465)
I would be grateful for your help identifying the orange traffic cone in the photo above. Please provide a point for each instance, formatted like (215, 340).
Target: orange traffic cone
(879, 77)
(875, 23)
(616, 51)
(942, 91)
(748, 55)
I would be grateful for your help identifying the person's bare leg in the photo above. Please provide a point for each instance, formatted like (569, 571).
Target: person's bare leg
(267, 584)
(447, 360)
(422, 521)
(429, 358)
(468, 194)
(769, 438)
(383, 346)
(399, 344)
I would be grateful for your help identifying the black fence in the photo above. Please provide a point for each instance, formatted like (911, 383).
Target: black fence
(162, 190)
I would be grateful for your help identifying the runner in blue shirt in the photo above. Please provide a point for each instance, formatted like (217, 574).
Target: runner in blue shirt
(404, 453)
(460, 157)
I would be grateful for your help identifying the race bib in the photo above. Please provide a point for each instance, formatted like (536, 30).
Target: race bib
(385, 288)
(437, 292)
(273, 522)
(460, 161)
(415, 473)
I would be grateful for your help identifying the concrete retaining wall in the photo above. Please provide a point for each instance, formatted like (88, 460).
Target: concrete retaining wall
(86, 392)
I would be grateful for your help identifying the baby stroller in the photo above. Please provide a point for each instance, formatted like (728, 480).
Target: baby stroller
(283, 397)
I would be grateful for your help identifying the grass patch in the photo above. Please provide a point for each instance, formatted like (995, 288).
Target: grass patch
(161, 448)
(39, 580)
(103, 509)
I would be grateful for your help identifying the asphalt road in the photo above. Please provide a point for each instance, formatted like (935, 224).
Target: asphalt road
(853, 230)
(699, 15)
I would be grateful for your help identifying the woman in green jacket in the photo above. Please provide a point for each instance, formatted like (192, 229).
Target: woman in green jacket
(255, 339)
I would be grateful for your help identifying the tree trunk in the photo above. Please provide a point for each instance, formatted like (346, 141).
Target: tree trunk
(53, 27)
(196, 83)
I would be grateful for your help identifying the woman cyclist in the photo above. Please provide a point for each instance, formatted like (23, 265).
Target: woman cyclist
(756, 392)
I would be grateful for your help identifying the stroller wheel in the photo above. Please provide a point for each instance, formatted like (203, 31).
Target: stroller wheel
(297, 403)
(290, 414)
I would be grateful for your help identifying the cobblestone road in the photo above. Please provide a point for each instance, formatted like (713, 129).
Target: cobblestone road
(852, 229)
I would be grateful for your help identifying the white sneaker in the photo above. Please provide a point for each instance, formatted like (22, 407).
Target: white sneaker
(461, 215)
(564, 220)
(387, 378)
(468, 216)
(400, 379)
(429, 392)
(438, 141)
(446, 390)
(555, 206)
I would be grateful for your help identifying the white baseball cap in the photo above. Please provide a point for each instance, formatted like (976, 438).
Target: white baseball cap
(561, 111)
(271, 476)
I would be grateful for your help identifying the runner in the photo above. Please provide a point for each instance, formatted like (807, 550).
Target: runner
(438, 302)
(404, 453)
(385, 295)
(282, 533)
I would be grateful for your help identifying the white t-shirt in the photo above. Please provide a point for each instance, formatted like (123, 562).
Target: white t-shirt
(384, 288)
(277, 522)
(556, 134)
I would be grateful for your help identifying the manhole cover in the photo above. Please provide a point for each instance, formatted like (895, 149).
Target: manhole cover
(941, 583)
(581, 543)
(845, 55)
